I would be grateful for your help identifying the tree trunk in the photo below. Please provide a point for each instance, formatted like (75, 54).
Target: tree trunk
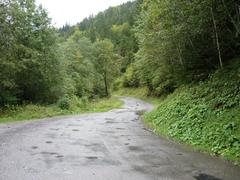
(217, 39)
(106, 85)
(180, 55)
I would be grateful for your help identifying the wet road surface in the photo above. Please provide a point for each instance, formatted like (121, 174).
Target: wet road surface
(101, 146)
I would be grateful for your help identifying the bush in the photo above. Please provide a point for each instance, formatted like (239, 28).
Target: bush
(64, 103)
(166, 87)
(84, 101)
(131, 78)
(73, 102)
(118, 84)
(7, 97)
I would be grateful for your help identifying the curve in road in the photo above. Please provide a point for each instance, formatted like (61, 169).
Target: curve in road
(113, 145)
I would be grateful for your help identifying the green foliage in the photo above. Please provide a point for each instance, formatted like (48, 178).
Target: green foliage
(77, 106)
(178, 41)
(73, 103)
(205, 115)
(99, 26)
(30, 69)
(80, 73)
(84, 101)
(140, 93)
(125, 43)
(114, 24)
(89, 68)
(130, 78)
(104, 104)
(64, 103)
(107, 63)
(117, 84)
(39, 67)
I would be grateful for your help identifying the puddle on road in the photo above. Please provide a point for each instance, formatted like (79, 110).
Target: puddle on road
(92, 157)
(120, 128)
(34, 147)
(135, 148)
(48, 142)
(108, 132)
(49, 153)
(96, 147)
(54, 129)
(206, 177)
(111, 122)
(59, 156)
(134, 120)
(74, 125)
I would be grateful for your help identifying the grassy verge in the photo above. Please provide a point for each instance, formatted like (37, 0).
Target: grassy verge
(31, 111)
(204, 115)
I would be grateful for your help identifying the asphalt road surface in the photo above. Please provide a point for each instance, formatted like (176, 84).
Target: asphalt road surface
(103, 146)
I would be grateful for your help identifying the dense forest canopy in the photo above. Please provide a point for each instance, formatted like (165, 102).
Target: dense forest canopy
(28, 62)
(115, 24)
(182, 41)
(160, 44)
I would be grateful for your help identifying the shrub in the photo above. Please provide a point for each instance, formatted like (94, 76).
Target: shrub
(7, 97)
(64, 103)
(131, 78)
(118, 84)
(84, 101)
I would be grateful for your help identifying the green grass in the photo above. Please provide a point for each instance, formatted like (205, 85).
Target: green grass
(31, 111)
(140, 93)
(104, 105)
(204, 115)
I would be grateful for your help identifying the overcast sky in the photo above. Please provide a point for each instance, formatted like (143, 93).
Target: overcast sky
(73, 11)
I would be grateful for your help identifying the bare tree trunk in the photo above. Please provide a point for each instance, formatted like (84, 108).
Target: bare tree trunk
(180, 55)
(106, 85)
(217, 39)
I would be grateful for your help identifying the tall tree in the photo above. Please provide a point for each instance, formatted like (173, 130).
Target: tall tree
(106, 63)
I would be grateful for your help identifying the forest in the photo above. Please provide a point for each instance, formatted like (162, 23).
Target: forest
(184, 53)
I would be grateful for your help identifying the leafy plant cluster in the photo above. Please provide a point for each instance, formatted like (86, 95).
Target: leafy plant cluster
(206, 115)
(71, 103)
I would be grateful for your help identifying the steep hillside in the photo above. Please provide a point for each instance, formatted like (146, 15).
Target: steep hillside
(205, 115)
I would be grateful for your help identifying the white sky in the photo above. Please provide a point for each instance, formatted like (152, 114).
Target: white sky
(74, 11)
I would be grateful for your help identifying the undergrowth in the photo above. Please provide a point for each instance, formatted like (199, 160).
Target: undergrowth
(65, 106)
(205, 115)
